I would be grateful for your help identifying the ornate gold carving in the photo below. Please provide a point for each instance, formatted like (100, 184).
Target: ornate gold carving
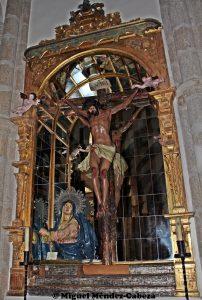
(171, 154)
(175, 187)
(39, 66)
(151, 53)
(147, 49)
(26, 145)
(174, 170)
(191, 279)
(17, 279)
(16, 237)
(26, 130)
(190, 264)
(89, 17)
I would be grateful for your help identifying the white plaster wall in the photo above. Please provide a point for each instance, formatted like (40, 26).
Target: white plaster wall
(47, 14)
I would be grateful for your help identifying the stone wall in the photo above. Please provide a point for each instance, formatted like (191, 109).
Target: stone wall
(1, 22)
(182, 23)
(14, 42)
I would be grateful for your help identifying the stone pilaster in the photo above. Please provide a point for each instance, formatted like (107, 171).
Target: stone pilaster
(1, 23)
(195, 15)
(13, 45)
(21, 46)
(8, 53)
(182, 23)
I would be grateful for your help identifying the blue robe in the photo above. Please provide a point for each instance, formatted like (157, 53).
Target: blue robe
(84, 248)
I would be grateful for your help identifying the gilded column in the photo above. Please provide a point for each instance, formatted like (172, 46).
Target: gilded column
(24, 178)
(177, 203)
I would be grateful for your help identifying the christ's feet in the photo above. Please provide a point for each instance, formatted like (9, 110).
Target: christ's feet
(100, 211)
(103, 211)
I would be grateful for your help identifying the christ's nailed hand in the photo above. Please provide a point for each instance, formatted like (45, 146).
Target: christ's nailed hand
(43, 232)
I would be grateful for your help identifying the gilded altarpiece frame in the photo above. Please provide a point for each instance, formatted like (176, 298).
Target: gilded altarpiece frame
(140, 40)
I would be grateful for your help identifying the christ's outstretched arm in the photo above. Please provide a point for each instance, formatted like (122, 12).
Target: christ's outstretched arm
(125, 127)
(84, 121)
(123, 105)
(78, 111)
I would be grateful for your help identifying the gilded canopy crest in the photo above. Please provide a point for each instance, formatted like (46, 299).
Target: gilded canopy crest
(89, 17)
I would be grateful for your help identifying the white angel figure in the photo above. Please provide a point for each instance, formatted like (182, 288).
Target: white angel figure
(28, 102)
(152, 82)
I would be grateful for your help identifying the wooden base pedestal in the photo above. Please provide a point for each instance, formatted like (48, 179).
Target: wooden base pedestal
(105, 270)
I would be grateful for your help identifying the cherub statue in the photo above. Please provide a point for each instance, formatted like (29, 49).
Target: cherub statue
(28, 102)
(152, 82)
(79, 149)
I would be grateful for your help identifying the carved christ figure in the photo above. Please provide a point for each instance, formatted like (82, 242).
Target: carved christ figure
(103, 150)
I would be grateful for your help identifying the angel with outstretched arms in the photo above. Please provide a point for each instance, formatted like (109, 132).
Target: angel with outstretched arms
(27, 102)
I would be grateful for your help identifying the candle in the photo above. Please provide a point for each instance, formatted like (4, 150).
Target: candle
(179, 229)
(26, 239)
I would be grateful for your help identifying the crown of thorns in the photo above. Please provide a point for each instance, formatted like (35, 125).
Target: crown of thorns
(91, 102)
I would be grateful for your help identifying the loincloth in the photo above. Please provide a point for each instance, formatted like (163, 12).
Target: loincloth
(107, 152)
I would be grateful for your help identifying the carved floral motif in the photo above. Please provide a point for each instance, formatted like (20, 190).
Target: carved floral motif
(24, 177)
(175, 186)
(172, 160)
